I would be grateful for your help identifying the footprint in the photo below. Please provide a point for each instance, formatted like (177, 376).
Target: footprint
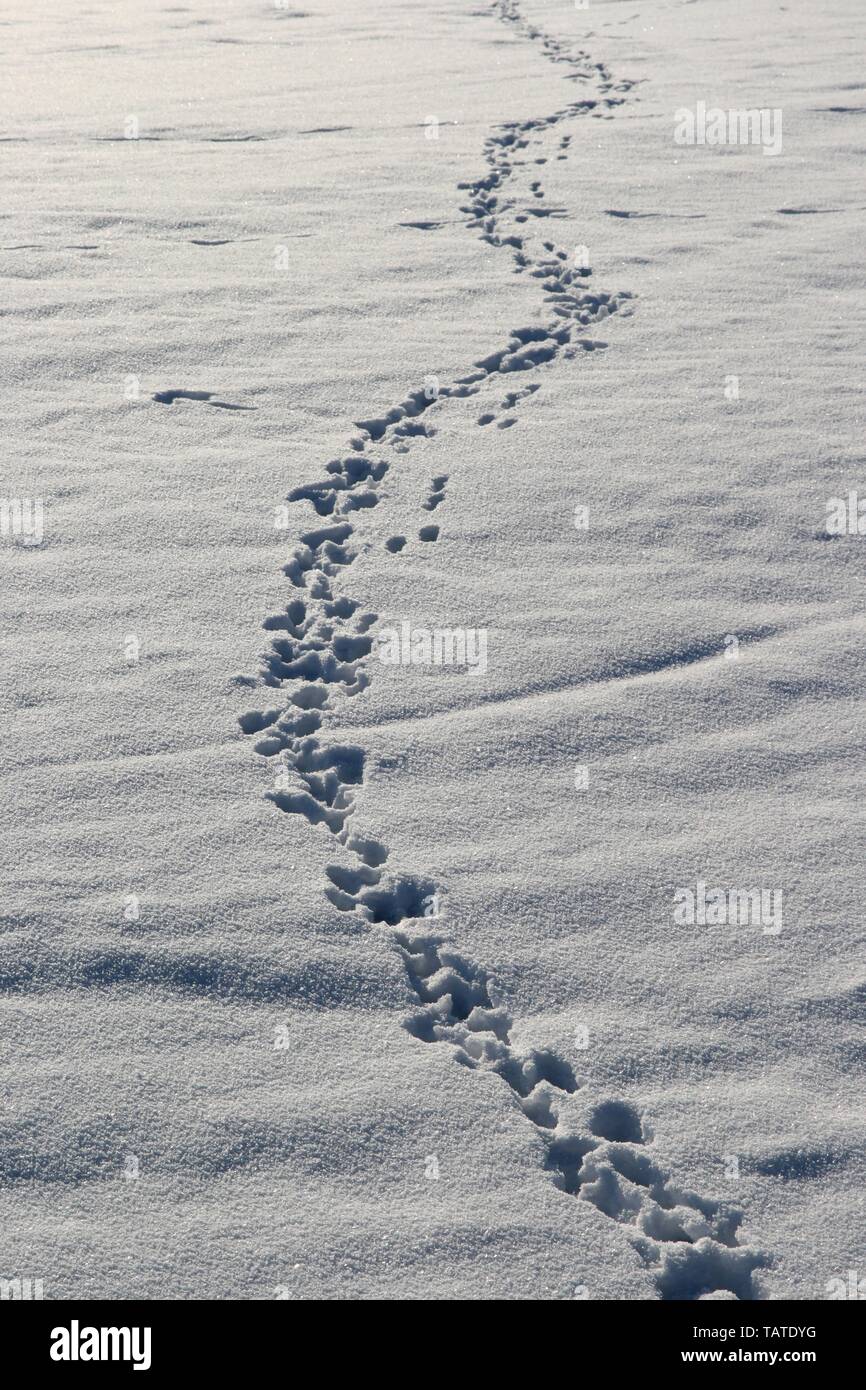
(207, 397)
(351, 881)
(370, 852)
(437, 493)
(617, 1121)
(515, 397)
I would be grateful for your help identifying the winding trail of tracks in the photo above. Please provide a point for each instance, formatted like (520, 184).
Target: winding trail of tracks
(318, 655)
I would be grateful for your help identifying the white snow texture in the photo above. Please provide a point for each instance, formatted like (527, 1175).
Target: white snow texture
(432, 560)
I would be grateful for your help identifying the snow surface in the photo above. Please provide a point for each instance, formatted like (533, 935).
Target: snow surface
(329, 977)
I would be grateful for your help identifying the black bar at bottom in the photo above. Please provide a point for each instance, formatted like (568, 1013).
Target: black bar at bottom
(162, 1339)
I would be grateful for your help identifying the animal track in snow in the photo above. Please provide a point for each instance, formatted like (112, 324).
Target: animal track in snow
(688, 1241)
(346, 475)
(319, 651)
(437, 493)
(207, 397)
(515, 397)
